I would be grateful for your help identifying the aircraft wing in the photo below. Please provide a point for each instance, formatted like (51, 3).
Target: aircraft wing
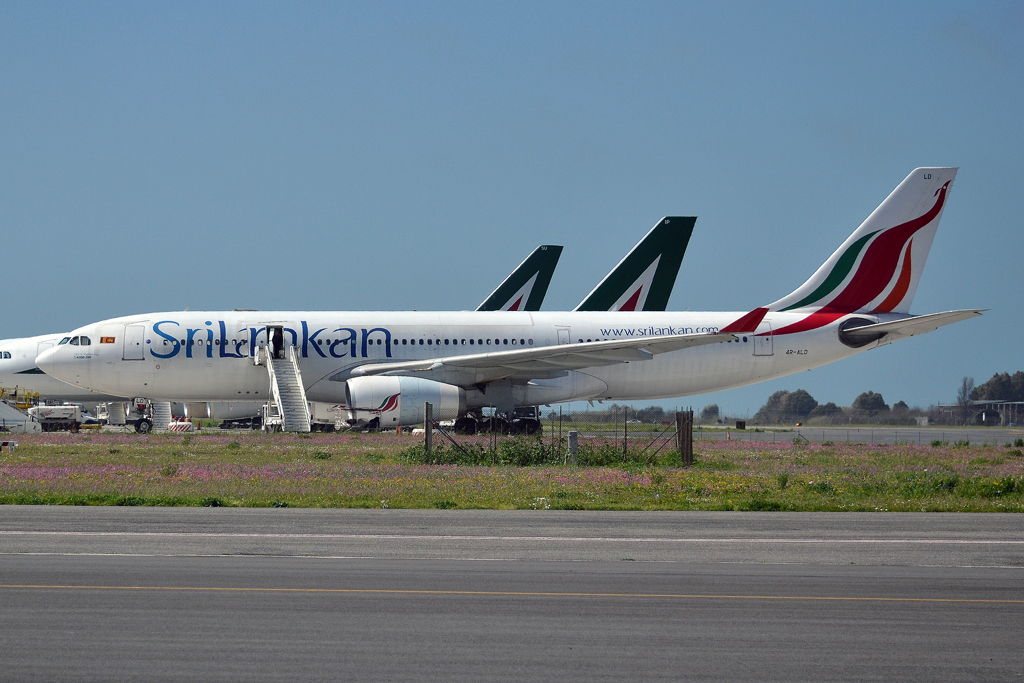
(888, 332)
(535, 363)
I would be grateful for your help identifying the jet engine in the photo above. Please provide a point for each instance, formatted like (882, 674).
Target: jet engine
(398, 401)
(856, 342)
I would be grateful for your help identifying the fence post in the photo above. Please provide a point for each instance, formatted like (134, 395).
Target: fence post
(428, 426)
(574, 444)
(684, 436)
(679, 432)
(625, 434)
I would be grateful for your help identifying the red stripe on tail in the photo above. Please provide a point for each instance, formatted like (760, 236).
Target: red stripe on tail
(902, 285)
(747, 323)
(630, 305)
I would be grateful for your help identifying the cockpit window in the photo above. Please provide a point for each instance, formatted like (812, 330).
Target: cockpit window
(85, 341)
(65, 340)
(74, 341)
(5, 354)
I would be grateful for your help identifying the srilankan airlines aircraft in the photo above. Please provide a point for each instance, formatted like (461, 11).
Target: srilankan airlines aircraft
(386, 364)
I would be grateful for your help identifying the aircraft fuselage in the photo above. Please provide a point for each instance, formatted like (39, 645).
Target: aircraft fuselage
(196, 356)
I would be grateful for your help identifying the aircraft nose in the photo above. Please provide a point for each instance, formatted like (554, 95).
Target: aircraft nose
(47, 361)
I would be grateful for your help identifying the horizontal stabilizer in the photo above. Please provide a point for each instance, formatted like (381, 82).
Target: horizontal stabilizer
(888, 332)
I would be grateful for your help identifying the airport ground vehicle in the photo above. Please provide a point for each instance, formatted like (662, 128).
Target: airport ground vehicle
(242, 423)
(58, 418)
(138, 414)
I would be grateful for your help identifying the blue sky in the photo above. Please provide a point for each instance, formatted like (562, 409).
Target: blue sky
(397, 156)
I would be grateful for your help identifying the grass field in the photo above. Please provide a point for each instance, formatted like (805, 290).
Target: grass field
(350, 470)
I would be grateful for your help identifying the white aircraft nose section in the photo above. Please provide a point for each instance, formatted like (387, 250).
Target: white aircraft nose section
(47, 362)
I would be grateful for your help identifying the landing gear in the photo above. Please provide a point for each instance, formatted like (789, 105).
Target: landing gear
(144, 426)
(465, 425)
(528, 426)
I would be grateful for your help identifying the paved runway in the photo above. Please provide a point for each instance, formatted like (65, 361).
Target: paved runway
(228, 594)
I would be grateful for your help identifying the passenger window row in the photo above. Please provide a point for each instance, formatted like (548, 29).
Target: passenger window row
(378, 342)
(440, 342)
(461, 342)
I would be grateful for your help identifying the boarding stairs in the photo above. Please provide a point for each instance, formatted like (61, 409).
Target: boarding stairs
(288, 409)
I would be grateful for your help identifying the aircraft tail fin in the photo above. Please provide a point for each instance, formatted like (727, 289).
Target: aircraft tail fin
(877, 269)
(643, 280)
(525, 287)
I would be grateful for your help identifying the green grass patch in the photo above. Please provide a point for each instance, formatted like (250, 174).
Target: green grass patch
(393, 471)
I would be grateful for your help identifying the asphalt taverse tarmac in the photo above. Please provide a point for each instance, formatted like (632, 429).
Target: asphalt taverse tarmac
(228, 594)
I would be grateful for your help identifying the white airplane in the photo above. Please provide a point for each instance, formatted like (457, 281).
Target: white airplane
(20, 375)
(388, 363)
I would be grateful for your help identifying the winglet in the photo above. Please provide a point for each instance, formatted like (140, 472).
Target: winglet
(747, 323)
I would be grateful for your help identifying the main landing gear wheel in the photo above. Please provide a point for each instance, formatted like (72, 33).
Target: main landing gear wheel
(495, 424)
(528, 426)
(144, 426)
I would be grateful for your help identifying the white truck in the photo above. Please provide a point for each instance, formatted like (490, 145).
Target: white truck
(326, 417)
(58, 418)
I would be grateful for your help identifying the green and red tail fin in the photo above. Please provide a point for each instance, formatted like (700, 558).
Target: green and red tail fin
(878, 267)
(643, 280)
(525, 287)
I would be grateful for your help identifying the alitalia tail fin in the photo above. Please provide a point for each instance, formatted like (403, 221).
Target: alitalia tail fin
(876, 270)
(643, 280)
(525, 287)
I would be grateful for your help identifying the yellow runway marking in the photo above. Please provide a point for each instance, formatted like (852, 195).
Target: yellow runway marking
(528, 594)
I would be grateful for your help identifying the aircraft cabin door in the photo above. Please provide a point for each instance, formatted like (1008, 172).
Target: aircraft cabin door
(764, 344)
(133, 337)
(563, 335)
(275, 341)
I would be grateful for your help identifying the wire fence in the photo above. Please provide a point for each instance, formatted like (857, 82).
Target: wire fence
(625, 436)
(598, 438)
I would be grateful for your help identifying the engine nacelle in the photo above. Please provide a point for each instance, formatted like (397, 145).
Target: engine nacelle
(398, 401)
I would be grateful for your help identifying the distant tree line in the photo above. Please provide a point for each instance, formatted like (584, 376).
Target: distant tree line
(799, 406)
(1002, 387)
